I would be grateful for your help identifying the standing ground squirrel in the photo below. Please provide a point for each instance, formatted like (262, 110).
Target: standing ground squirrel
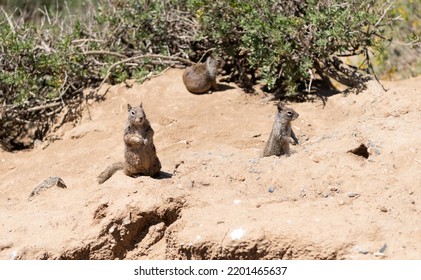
(140, 153)
(282, 134)
(201, 77)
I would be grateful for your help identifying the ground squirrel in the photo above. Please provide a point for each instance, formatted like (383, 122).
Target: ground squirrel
(282, 134)
(201, 77)
(140, 153)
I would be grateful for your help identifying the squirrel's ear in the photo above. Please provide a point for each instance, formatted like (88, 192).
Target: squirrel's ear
(280, 106)
(129, 107)
(140, 105)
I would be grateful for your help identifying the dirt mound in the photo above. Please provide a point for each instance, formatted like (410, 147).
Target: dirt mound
(350, 190)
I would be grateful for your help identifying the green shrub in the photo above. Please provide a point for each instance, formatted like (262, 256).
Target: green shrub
(286, 40)
(401, 56)
(46, 67)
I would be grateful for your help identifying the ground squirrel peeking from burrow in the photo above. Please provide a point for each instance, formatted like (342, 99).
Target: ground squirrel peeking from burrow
(140, 153)
(201, 77)
(282, 134)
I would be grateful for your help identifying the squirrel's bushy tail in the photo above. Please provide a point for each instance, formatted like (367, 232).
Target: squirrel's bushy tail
(109, 171)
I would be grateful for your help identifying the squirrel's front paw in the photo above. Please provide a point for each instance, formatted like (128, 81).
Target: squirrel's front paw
(145, 141)
(138, 140)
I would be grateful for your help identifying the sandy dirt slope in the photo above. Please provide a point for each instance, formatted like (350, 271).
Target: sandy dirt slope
(216, 198)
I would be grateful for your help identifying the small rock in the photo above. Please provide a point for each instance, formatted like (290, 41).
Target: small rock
(377, 254)
(237, 234)
(325, 194)
(361, 250)
(13, 255)
(316, 159)
(237, 201)
(256, 171)
(101, 211)
(333, 189)
(254, 160)
(37, 143)
(46, 184)
(112, 229)
(383, 209)
(271, 189)
(303, 192)
(126, 221)
(383, 248)
(370, 150)
(352, 194)
(341, 202)
(185, 142)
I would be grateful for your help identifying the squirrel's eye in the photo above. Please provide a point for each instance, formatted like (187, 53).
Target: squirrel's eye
(132, 113)
(289, 113)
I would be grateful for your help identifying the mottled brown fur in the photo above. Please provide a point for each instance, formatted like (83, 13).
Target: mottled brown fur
(282, 134)
(140, 153)
(201, 77)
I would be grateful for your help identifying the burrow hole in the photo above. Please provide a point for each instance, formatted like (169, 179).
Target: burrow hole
(361, 151)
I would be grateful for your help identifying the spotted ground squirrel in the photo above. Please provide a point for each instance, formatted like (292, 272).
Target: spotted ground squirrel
(282, 134)
(201, 77)
(140, 153)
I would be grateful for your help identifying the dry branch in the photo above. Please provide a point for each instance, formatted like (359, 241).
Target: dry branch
(130, 59)
(43, 107)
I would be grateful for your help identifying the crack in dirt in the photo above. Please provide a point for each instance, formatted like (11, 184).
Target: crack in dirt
(139, 230)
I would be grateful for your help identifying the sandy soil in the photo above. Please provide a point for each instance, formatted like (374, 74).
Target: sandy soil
(216, 197)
